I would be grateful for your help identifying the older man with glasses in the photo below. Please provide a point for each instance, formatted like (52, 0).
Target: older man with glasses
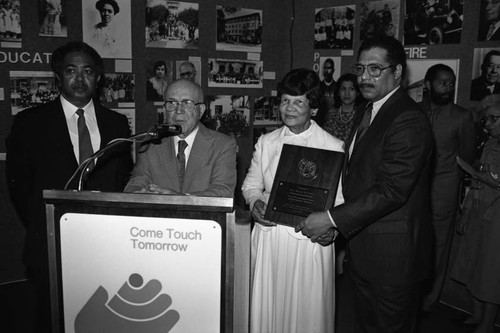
(386, 215)
(199, 161)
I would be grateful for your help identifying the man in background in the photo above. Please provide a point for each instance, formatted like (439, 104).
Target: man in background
(386, 215)
(454, 135)
(491, 15)
(46, 145)
(187, 71)
(487, 84)
(157, 85)
(327, 88)
(199, 161)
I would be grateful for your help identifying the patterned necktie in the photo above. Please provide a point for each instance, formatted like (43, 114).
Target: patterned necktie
(490, 31)
(181, 158)
(84, 142)
(364, 124)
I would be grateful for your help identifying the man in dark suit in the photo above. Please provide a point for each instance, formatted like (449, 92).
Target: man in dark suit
(386, 214)
(43, 152)
(487, 84)
(454, 135)
(205, 166)
(490, 20)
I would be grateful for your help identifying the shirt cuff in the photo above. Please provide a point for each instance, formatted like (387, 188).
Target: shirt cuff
(331, 219)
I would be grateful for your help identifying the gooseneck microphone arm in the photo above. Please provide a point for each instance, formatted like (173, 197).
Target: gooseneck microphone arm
(155, 132)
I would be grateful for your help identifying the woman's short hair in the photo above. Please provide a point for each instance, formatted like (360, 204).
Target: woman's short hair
(99, 5)
(301, 81)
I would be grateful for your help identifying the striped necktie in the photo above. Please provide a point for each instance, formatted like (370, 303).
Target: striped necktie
(181, 159)
(84, 142)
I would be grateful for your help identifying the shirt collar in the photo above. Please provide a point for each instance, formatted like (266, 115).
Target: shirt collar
(70, 109)
(189, 139)
(378, 104)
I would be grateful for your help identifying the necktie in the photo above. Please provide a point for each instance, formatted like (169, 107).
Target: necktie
(364, 124)
(490, 31)
(84, 142)
(181, 159)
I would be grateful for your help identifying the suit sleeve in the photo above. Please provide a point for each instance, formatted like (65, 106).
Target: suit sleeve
(141, 174)
(125, 160)
(405, 152)
(223, 177)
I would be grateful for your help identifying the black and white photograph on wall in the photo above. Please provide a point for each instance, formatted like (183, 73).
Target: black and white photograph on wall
(159, 75)
(266, 111)
(235, 73)
(10, 21)
(106, 26)
(433, 22)
(379, 18)
(52, 18)
(30, 88)
(489, 21)
(239, 29)
(228, 114)
(117, 88)
(172, 24)
(415, 74)
(334, 27)
(329, 73)
(485, 73)
(188, 69)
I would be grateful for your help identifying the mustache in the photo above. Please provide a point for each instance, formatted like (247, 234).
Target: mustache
(366, 85)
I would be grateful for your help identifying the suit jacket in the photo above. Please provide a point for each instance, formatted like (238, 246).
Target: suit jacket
(40, 156)
(483, 33)
(478, 89)
(386, 215)
(210, 170)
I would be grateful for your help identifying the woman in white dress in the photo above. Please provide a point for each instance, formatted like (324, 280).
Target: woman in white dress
(292, 278)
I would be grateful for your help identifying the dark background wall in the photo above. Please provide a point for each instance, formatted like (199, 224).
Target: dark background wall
(287, 42)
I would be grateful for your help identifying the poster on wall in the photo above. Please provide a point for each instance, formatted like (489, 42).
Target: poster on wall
(172, 24)
(489, 21)
(485, 74)
(117, 88)
(10, 23)
(31, 88)
(189, 69)
(334, 27)
(228, 114)
(433, 22)
(52, 18)
(415, 74)
(106, 26)
(235, 73)
(379, 18)
(239, 29)
(159, 74)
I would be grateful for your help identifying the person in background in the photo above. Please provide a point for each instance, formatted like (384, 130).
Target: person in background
(454, 135)
(198, 161)
(187, 71)
(103, 36)
(339, 120)
(48, 142)
(157, 85)
(292, 278)
(487, 84)
(477, 263)
(327, 89)
(386, 215)
(491, 17)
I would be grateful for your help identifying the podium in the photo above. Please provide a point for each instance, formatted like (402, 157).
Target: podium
(123, 262)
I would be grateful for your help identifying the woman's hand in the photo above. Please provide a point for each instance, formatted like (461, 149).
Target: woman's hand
(258, 212)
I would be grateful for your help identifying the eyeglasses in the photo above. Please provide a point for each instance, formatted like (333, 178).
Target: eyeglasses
(186, 105)
(374, 70)
(490, 67)
(186, 74)
(491, 118)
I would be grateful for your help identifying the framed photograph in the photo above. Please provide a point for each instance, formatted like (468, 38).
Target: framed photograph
(379, 18)
(266, 111)
(172, 24)
(52, 18)
(107, 27)
(235, 73)
(489, 18)
(433, 22)
(485, 73)
(10, 22)
(239, 29)
(118, 88)
(29, 89)
(188, 69)
(228, 114)
(159, 75)
(334, 27)
(416, 70)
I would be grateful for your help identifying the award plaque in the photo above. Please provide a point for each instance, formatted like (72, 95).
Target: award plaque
(306, 181)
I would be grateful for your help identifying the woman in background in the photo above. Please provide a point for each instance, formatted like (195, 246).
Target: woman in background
(477, 264)
(292, 278)
(338, 121)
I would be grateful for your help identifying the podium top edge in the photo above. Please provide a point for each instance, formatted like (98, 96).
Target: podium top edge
(137, 198)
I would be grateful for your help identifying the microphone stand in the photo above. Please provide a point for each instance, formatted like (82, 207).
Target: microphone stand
(83, 168)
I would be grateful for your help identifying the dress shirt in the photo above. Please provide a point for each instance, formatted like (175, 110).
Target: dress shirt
(90, 121)
(189, 140)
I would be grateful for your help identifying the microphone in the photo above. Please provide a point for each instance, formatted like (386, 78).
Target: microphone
(161, 131)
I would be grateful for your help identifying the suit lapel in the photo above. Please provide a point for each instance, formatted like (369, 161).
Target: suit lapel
(59, 130)
(198, 155)
(169, 160)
